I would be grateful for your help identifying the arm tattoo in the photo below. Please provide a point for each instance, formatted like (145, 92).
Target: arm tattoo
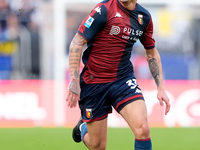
(74, 87)
(79, 40)
(74, 62)
(77, 50)
(154, 68)
(74, 50)
(70, 49)
(76, 74)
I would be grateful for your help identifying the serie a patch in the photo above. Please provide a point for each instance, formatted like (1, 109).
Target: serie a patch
(89, 113)
(89, 22)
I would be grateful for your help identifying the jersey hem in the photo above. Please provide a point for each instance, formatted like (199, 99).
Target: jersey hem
(149, 47)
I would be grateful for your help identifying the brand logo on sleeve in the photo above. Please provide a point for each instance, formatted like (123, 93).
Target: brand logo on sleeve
(98, 10)
(89, 22)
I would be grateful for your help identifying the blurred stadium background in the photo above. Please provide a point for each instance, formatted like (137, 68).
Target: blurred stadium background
(34, 44)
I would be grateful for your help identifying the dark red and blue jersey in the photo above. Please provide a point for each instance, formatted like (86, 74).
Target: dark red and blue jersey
(111, 31)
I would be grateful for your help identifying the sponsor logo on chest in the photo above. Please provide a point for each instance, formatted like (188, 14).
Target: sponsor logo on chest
(127, 33)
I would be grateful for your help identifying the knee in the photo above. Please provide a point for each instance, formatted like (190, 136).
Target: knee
(98, 145)
(142, 131)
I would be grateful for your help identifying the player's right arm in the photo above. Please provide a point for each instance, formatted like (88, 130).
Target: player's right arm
(75, 52)
(87, 30)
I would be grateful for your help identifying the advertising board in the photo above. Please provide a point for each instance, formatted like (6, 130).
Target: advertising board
(30, 103)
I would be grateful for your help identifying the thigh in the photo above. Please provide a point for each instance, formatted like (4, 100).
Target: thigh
(135, 115)
(97, 133)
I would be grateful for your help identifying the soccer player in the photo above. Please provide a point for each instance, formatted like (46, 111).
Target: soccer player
(107, 79)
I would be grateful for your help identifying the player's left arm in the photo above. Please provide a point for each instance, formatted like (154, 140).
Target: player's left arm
(155, 66)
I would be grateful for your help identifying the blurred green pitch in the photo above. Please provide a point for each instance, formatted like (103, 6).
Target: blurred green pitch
(118, 139)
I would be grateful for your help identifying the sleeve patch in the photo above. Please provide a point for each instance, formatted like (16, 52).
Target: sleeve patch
(89, 22)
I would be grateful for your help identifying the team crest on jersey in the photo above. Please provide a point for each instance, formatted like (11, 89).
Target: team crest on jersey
(140, 19)
(89, 113)
(89, 22)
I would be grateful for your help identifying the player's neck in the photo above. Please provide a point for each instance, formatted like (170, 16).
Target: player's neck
(128, 4)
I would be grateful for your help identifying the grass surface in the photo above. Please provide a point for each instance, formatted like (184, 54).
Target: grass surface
(118, 139)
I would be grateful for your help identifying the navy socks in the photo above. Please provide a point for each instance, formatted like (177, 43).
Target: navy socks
(143, 144)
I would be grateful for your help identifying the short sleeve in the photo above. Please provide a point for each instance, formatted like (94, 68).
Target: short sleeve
(147, 39)
(94, 22)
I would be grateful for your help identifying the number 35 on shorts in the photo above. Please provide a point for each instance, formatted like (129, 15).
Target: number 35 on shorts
(132, 83)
